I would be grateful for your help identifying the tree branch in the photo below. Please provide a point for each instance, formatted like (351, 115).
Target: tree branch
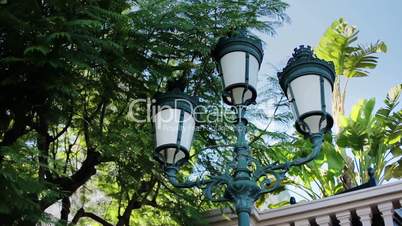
(68, 185)
(65, 128)
(82, 213)
(65, 209)
(137, 202)
(43, 144)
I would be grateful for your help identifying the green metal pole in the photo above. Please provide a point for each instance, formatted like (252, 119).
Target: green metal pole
(244, 219)
(241, 150)
(243, 190)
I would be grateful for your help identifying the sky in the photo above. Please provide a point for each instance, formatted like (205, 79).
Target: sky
(376, 20)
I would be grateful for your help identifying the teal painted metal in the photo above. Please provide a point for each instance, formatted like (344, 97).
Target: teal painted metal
(239, 41)
(244, 218)
(243, 185)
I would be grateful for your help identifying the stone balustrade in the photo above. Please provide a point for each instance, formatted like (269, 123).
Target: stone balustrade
(373, 206)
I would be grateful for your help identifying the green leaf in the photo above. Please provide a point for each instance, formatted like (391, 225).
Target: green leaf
(350, 61)
(80, 23)
(356, 110)
(334, 159)
(43, 50)
(8, 60)
(394, 93)
(393, 171)
(368, 109)
(278, 204)
(58, 36)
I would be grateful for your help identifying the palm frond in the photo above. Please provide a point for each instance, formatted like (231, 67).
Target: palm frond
(336, 45)
(362, 58)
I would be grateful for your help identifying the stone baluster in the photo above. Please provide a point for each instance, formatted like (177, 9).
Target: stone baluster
(365, 216)
(387, 212)
(344, 218)
(324, 220)
(302, 223)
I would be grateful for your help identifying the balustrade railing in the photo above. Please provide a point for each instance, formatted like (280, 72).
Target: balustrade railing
(374, 206)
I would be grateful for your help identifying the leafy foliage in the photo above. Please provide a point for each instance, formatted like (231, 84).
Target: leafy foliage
(69, 70)
(366, 139)
(362, 141)
(336, 45)
(350, 61)
(375, 138)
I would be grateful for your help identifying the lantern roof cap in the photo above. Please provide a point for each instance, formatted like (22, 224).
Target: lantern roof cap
(239, 41)
(176, 98)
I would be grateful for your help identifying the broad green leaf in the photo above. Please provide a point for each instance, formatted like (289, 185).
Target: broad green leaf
(393, 171)
(335, 160)
(394, 93)
(356, 110)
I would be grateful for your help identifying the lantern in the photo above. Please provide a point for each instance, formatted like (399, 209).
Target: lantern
(239, 59)
(174, 123)
(308, 83)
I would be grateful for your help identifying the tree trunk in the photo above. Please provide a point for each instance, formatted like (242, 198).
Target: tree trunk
(337, 102)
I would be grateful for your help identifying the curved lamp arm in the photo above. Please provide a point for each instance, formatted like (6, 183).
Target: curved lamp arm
(279, 176)
(279, 170)
(214, 181)
(317, 140)
(171, 175)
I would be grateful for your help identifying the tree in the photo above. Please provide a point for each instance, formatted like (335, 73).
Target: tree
(350, 61)
(69, 70)
(373, 139)
(364, 133)
(336, 45)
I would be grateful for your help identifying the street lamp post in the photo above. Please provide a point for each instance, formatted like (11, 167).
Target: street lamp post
(306, 81)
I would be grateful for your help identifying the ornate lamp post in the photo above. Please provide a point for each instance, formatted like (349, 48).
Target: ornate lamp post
(307, 82)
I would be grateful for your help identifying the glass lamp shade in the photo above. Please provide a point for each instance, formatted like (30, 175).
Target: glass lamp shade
(174, 124)
(239, 59)
(308, 83)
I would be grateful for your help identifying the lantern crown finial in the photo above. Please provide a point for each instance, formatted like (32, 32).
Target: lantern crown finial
(239, 33)
(302, 52)
(303, 56)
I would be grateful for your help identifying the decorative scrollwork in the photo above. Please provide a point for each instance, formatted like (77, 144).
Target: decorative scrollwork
(217, 182)
(266, 185)
(243, 179)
